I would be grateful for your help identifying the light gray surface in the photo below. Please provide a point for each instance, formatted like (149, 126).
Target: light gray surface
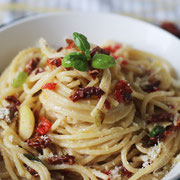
(150, 10)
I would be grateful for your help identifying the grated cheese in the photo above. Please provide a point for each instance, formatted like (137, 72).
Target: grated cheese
(5, 114)
(115, 173)
(151, 155)
(11, 138)
(50, 155)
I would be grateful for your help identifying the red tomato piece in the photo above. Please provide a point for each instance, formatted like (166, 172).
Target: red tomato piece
(123, 92)
(44, 126)
(107, 104)
(54, 62)
(50, 86)
(124, 62)
(118, 96)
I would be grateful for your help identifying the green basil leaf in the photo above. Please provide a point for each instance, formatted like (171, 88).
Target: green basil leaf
(81, 41)
(81, 65)
(88, 54)
(19, 81)
(69, 59)
(32, 158)
(102, 61)
(76, 60)
(156, 131)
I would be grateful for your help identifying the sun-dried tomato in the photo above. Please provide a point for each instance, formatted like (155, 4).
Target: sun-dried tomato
(39, 70)
(119, 96)
(39, 142)
(98, 50)
(162, 116)
(54, 62)
(108, 172)
(11, 110)
(50, 86)
(64, 159)
(70, 43)
(124, 62)
(115, 57)
(117, 46)
(171, 27)
(83, 93)
(66, 69)
(36, 115)
(13, 100)
(107, 104)
(32, 171)
(93, 72)
(32, 65)
(59, 49)
(125, 172)
(151, 87)
(44, 126)
(123, 92)
(113, 49)
(37, 93)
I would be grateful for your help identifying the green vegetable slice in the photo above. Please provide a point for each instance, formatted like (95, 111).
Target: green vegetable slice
(20, 80)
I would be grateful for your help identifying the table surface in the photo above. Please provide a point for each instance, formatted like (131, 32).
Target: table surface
(154, 11)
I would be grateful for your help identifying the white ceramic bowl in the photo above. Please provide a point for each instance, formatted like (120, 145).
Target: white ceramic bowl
(97, 27)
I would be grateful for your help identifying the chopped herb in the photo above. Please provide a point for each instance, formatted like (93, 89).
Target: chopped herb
(156, 131)
(32, 158)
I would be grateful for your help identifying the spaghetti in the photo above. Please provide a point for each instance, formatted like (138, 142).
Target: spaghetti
(114, 123)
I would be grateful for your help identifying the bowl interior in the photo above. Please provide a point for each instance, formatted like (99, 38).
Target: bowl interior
(97, 27)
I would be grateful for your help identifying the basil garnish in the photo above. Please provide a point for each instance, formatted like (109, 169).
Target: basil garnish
(102, 61)
(76, 60)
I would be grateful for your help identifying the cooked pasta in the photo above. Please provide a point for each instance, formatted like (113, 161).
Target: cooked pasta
(112, 123)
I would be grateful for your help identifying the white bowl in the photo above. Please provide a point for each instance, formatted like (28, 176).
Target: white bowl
(97, 27)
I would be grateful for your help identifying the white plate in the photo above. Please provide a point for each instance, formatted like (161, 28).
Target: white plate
(97, 27)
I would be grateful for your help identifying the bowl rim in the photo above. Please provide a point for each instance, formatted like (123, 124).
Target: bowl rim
(33, 17)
